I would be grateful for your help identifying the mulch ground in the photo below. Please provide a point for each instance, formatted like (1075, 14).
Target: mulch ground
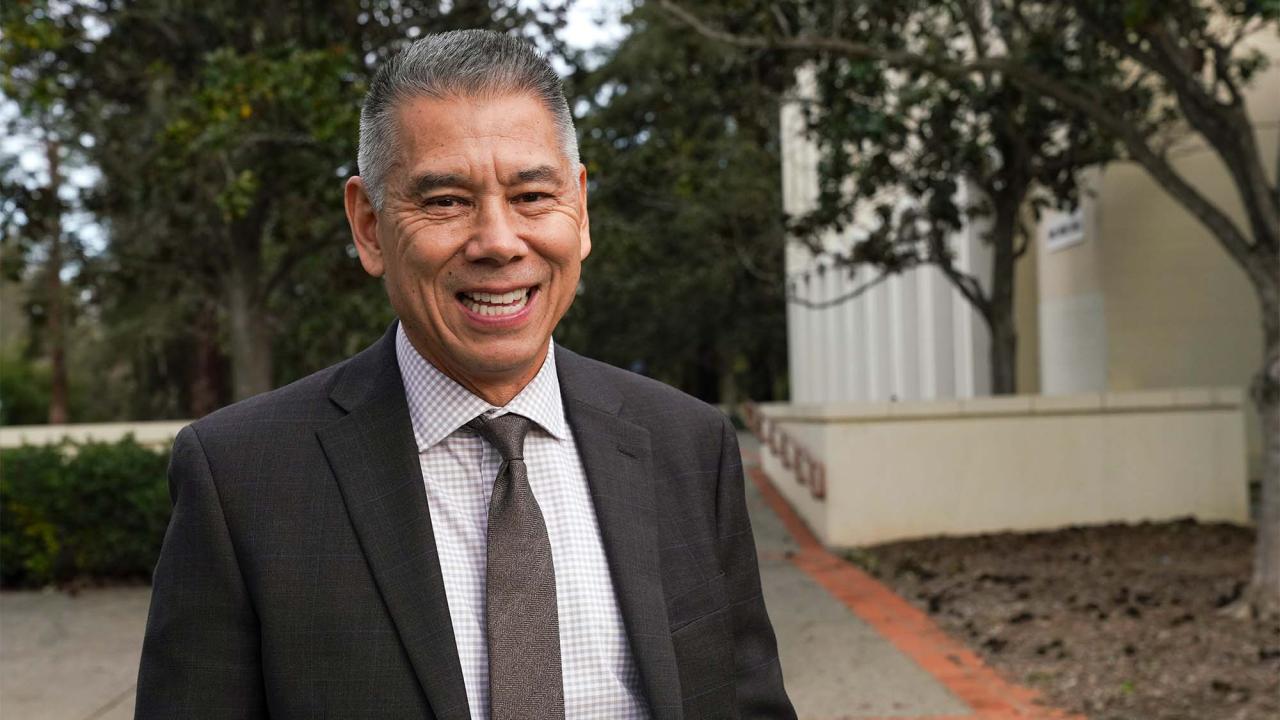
(1119, 622)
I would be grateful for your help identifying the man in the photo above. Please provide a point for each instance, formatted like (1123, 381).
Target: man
(464, 520)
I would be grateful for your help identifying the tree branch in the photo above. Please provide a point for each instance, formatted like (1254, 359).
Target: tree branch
(284, 266)
(1084, 100)
(1225, 127)
(1025, 235)
(750, 266)
(968, 285)
(832, 302)
(252, 141)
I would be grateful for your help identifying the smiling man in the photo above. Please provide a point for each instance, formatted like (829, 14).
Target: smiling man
(464, 520)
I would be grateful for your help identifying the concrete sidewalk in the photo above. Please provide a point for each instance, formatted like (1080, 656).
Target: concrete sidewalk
(835, 665)
(850, 648)
(65, 657)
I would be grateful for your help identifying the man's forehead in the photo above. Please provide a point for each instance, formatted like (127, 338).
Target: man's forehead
(478, 113)
(443, 140)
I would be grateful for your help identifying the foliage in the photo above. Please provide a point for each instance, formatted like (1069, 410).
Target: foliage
(684, 279)
(41, 56)
(223, 132)
(909, 158)
(24, 391)
(91, 511)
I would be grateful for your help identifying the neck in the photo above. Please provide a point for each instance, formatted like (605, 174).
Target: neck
(497, 394)
(496, 388)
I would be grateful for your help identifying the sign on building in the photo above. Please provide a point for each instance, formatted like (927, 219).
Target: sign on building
(1064, 230)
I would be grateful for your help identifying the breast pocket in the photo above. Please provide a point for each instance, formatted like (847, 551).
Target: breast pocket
(702, 634)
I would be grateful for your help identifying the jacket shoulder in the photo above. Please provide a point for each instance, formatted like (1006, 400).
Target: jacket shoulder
(304, 402)
(642, 399)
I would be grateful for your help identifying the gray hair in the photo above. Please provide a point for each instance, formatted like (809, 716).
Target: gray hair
(461, 63)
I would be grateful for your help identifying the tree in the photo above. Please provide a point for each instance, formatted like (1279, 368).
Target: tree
(1185, 61)
(42, 59)
(223, 133)
(898, 144)
(685, 277)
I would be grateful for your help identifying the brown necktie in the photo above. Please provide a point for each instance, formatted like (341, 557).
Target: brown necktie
(520, 585)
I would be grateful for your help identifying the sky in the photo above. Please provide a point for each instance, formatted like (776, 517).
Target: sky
(595, 22)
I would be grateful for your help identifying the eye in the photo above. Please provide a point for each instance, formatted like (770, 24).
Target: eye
(531, 197)
(444, 201)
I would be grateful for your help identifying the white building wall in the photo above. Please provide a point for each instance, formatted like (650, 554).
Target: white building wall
(910, 337)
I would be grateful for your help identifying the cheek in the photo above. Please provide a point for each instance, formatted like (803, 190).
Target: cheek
(560, 243)
(568, 285)
(558, 222)
(425, 262)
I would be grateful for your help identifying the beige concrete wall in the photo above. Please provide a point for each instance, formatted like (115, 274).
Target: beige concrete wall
(1017, 463)
(813, 437)
(157, 435)
(1179, 310)
(1150, 294)
(1072, 306)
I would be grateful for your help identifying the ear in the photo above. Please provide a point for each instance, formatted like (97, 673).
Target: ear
(584, 222)
(363, 219)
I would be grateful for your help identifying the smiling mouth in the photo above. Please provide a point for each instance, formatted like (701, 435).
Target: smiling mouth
(496, 304)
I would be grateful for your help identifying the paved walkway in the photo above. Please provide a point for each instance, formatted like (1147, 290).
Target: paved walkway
(834, 664)
(853, 650)
(850, 648)
(66, 657)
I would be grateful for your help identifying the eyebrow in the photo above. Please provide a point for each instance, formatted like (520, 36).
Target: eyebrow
(541, 173)
(429, 181)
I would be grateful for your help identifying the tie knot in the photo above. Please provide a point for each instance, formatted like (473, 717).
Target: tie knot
(505, 433)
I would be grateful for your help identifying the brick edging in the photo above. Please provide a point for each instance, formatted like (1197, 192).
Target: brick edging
(957, 668)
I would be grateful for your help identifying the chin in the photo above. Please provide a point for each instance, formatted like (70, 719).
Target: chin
(498, 359)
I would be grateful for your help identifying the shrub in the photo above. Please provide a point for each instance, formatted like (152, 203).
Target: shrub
(81, 511)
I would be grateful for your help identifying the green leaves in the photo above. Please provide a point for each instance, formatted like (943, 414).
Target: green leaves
(223, 133)
(238, 196)
(94, 511)
(685, 277)
(1137, 13)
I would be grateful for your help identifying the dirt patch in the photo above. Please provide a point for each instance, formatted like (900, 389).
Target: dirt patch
(1115, 622)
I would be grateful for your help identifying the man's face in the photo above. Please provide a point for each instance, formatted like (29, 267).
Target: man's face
(481, 237)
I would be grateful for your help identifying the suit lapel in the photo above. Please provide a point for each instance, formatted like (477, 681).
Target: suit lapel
(617, 459)
(375, 460)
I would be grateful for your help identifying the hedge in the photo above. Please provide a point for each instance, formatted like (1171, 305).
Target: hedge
(91, 511)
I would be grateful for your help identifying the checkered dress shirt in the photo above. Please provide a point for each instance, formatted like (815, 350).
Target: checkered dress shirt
(459, 467)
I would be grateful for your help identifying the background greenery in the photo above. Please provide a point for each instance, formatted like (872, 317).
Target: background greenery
(72, 512)
(190, 247)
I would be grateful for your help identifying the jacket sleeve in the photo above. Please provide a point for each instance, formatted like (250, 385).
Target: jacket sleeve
(759, 690)
(200, 655)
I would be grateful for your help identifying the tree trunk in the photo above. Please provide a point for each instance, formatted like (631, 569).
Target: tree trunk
(1000, 310)
(56, 315)
(1004, 353)
(250, 338)
(728, 380)
(204, 381)
(1265, 589)
(1266, 568)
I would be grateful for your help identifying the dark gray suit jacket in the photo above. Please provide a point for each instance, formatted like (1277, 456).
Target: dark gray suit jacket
(299, 575)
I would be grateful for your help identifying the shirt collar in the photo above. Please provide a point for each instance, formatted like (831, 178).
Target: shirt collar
(438, 405)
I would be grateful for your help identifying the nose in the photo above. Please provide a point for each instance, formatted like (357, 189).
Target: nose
(494, 239)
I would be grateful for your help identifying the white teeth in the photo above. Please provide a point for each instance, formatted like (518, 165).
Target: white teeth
(496, 304)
